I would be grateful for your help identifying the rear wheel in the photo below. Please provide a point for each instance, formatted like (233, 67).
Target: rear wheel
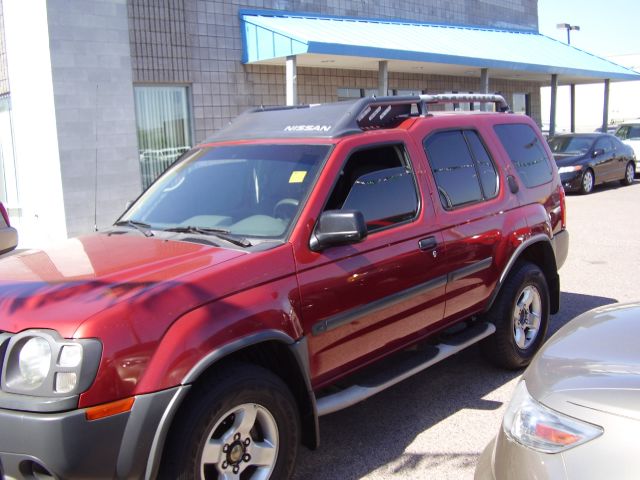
(521, 316)
(629, 174)
(586, 186)
(242, 424)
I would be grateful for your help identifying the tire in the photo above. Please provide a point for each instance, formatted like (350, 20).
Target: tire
(629, 174)
(587, 183)
(242, 423)
(521, 316)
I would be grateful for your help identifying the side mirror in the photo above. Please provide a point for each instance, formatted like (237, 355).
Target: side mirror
(338, 227)
(597, 152)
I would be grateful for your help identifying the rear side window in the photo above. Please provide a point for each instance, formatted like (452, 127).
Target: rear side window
(462, 168)
(378, 182)
(526, 153)
(605, 144)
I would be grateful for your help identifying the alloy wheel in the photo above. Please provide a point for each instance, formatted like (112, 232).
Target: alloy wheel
(527, 316)
(242, 445)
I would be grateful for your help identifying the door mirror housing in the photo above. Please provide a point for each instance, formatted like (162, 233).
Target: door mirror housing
(338, 227)
(597, 152)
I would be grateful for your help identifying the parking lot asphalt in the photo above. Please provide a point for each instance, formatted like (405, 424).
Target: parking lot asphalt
(435, 424)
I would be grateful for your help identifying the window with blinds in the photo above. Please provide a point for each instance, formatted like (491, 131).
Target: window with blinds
(164, 131)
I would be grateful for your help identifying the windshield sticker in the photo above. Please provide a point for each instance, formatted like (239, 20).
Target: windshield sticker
(297, 176)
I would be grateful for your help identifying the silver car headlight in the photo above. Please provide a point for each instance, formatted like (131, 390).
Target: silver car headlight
(43, 364)
(538, 427)
(573, 168)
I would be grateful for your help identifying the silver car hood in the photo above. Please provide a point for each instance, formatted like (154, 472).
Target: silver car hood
(593, 361)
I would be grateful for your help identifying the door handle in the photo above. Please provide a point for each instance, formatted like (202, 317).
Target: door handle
(428, 243)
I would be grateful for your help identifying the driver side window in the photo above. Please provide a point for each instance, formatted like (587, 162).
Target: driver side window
(380, 183)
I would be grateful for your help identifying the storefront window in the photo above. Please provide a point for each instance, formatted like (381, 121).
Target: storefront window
(8, 191)
(163, 126)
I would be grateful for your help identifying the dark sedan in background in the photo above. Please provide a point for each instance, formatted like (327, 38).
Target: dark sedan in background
(8, 234)
(588, 159)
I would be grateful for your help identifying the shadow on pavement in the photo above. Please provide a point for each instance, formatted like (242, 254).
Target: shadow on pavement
(376, 432)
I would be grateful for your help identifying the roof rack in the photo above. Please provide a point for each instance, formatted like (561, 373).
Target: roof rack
(334, 120)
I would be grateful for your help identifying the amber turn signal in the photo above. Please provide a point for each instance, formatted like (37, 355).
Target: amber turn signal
(109, 409)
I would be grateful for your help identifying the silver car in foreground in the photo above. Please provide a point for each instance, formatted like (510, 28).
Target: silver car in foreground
(575, 414)
(8, 234)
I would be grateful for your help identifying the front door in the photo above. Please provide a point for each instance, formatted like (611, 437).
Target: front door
(363, 300)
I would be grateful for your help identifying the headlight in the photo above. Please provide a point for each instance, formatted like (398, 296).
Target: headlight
(542, 429)
(34, 361)
(574, 168)
(41, 363)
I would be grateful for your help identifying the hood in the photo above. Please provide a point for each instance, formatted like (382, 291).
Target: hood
(563, 159)
(65, 284)
(593, 361)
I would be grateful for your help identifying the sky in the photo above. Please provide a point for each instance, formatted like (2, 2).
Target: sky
(607, 28)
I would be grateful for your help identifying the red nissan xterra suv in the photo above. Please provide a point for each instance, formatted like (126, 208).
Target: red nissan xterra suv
(302, 260)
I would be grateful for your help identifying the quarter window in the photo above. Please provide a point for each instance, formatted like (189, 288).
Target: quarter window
(526, 153)
(462, 168)
(379, 182)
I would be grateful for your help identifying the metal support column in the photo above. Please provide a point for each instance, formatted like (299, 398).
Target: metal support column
(573, 108)
(605, 110)
(484, 86)
(383, 78)
(292, 80)
(552, 112)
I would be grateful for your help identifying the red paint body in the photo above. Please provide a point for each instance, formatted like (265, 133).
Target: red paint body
(159, 306)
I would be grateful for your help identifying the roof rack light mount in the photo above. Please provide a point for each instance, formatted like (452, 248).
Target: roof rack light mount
(383, 112)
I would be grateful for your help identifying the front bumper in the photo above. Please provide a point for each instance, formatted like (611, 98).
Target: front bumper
(67, 445)
(504, 459)
(571, 181)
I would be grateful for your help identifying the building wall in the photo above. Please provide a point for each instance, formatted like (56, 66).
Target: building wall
(197, 42)
(4, 74)
(91, 71)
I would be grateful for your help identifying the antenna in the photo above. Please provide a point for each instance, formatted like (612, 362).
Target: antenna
(95, 186)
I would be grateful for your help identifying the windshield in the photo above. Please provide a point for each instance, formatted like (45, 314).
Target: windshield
(571, 145)
(245, 190)
(626, 132)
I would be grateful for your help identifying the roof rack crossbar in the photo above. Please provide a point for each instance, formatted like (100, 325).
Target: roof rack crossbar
(498, 100)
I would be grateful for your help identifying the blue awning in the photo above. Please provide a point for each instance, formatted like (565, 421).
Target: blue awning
(333, 42)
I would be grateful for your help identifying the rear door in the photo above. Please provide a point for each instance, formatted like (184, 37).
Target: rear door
(605, 161)
(477, 209)
(364, 300)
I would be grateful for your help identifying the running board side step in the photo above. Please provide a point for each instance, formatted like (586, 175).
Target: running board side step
(400, 368)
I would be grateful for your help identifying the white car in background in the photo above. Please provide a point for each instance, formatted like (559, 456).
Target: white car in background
(629, 133)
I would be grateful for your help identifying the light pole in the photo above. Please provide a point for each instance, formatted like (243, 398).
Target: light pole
(570, 27)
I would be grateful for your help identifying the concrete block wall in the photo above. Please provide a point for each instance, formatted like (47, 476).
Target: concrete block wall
(198, 43)
(95, 115)
(4, 74)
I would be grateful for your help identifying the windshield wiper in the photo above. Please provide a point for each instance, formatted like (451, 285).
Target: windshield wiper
(142, 227)
(218, 232)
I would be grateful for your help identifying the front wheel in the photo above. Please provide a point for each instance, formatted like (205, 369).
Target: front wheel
(587, 183)
(521, 316)
(629, 174)
(241, 424)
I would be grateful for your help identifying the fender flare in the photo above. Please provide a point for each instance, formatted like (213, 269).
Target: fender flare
(297, 347)
(554, 283)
